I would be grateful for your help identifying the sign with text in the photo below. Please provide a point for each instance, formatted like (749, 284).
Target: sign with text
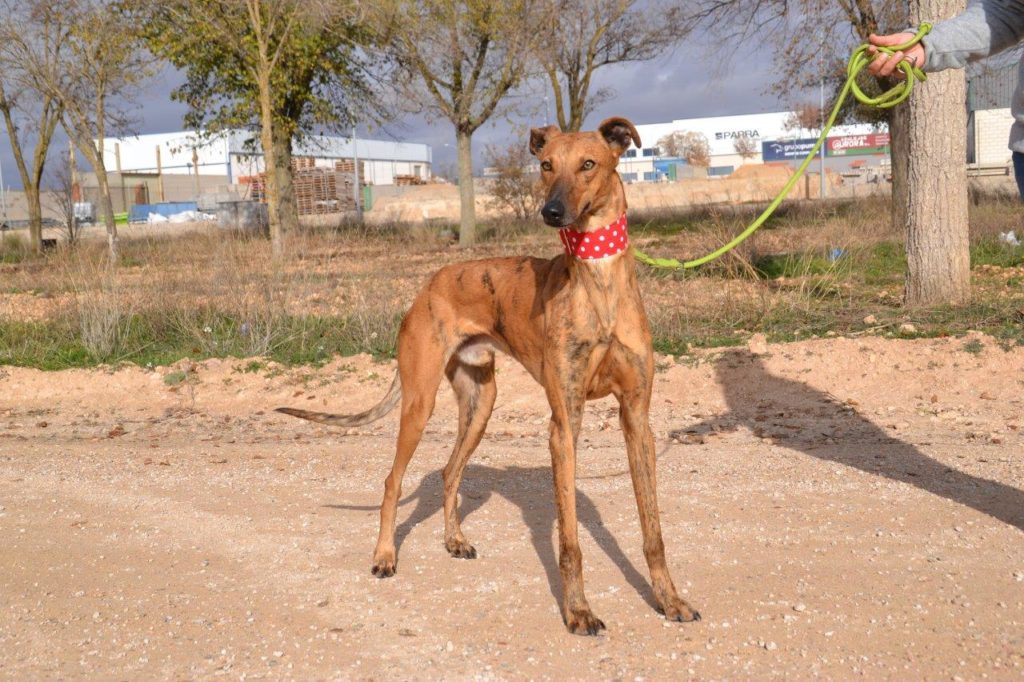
(857, 145)
(785, 150)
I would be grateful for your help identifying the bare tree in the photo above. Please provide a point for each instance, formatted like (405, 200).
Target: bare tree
(61, 199)
(463, 59)
(746, 147)
(31, 43)
(806, 117)
(809, 38)
(589, 34)
(689, 145)
(517, 185)
(103, 63)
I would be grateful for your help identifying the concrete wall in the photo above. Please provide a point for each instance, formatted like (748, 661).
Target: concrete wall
(991, 135)
(127, 189)
(17, 206)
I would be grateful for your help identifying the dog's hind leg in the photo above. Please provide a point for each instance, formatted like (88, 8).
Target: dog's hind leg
(475, 390)
(420, 364)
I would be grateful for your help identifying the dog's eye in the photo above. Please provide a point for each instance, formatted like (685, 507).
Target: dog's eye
(545, 165)
(588, 164)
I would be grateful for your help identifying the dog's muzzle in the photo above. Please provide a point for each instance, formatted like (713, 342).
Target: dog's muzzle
(554, 213)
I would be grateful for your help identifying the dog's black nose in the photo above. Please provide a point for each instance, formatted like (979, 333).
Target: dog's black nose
(553, 212)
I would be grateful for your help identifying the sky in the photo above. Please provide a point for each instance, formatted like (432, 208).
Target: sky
(685, 83)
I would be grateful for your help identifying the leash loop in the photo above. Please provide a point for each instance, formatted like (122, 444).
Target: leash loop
(858, 61)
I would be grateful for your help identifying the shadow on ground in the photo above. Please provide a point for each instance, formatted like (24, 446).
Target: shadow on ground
(814, 423)
(530, 489)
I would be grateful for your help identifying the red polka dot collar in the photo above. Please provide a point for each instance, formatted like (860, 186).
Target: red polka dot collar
(595, 244)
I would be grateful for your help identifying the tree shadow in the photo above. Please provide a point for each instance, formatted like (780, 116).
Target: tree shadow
(815, 423)
(530, 489)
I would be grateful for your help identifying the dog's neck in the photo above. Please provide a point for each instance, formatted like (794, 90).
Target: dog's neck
(598, 243)
(604, 273)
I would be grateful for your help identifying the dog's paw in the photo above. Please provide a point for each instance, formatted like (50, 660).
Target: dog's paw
(583, 622)
(384, 567)
(460, 549)
(678, 610)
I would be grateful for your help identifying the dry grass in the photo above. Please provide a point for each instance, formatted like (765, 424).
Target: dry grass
(814, 269)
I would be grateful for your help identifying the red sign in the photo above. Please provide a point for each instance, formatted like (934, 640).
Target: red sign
(855, 145)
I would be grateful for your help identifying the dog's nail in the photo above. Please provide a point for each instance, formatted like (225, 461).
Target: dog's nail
(696, 616)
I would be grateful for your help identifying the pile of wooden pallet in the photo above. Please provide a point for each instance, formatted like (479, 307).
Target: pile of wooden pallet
(317, 191)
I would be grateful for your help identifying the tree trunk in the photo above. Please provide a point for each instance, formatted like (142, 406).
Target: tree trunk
(900, 149)
(35, 217)
(287, 210)
(935, 200)
(270, 169)
(35, 212)
(107, 206)
(467, 199)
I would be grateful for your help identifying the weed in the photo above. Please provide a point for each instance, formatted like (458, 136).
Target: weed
(974, 347)
(175, 378)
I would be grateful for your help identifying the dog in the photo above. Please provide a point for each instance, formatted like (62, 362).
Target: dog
(576, 323)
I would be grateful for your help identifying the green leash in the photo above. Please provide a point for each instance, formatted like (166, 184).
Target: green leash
(858, 60)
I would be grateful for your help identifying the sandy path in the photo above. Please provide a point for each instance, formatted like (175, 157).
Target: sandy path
(842, 507)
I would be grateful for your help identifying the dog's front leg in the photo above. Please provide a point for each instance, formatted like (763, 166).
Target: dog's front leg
(567, 398)
(635, 378)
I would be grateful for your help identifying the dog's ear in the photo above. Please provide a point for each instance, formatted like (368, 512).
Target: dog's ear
(540, 137)
(618, 133)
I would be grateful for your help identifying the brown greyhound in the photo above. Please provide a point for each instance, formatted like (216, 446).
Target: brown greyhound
(575, 322)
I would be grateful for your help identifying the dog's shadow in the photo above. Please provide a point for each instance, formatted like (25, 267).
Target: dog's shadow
(819, 426)
(530, 489)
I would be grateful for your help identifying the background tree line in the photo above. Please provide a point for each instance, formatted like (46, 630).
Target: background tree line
(283, 69)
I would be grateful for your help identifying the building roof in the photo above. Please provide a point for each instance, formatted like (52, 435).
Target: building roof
(244, 142)
(329, 146)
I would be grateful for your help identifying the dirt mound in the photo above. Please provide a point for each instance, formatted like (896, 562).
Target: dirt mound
(768, 171)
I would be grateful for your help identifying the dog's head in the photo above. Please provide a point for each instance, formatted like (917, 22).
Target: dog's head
(578, 170)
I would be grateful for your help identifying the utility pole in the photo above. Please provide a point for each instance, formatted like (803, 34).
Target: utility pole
(821, 98)
(824, 143)
(3, 199)
(355, 176)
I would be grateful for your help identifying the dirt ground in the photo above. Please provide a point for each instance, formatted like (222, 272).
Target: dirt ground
(841, 507)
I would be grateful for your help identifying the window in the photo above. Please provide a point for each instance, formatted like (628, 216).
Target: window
(653, 151)
(651, 177)
(630, 154)
(720, 170)
(628, 177)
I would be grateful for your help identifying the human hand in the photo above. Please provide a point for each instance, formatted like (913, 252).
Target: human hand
(888, 65)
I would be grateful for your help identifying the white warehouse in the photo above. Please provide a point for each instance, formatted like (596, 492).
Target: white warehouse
(236, 155)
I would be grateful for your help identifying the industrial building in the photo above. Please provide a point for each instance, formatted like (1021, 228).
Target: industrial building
(761, 137)
(187, 166)
(236, 154)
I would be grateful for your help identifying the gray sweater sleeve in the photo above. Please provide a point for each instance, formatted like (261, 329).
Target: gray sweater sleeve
(985, 28)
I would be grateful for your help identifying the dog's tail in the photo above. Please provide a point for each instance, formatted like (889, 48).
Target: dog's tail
(386, 404)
